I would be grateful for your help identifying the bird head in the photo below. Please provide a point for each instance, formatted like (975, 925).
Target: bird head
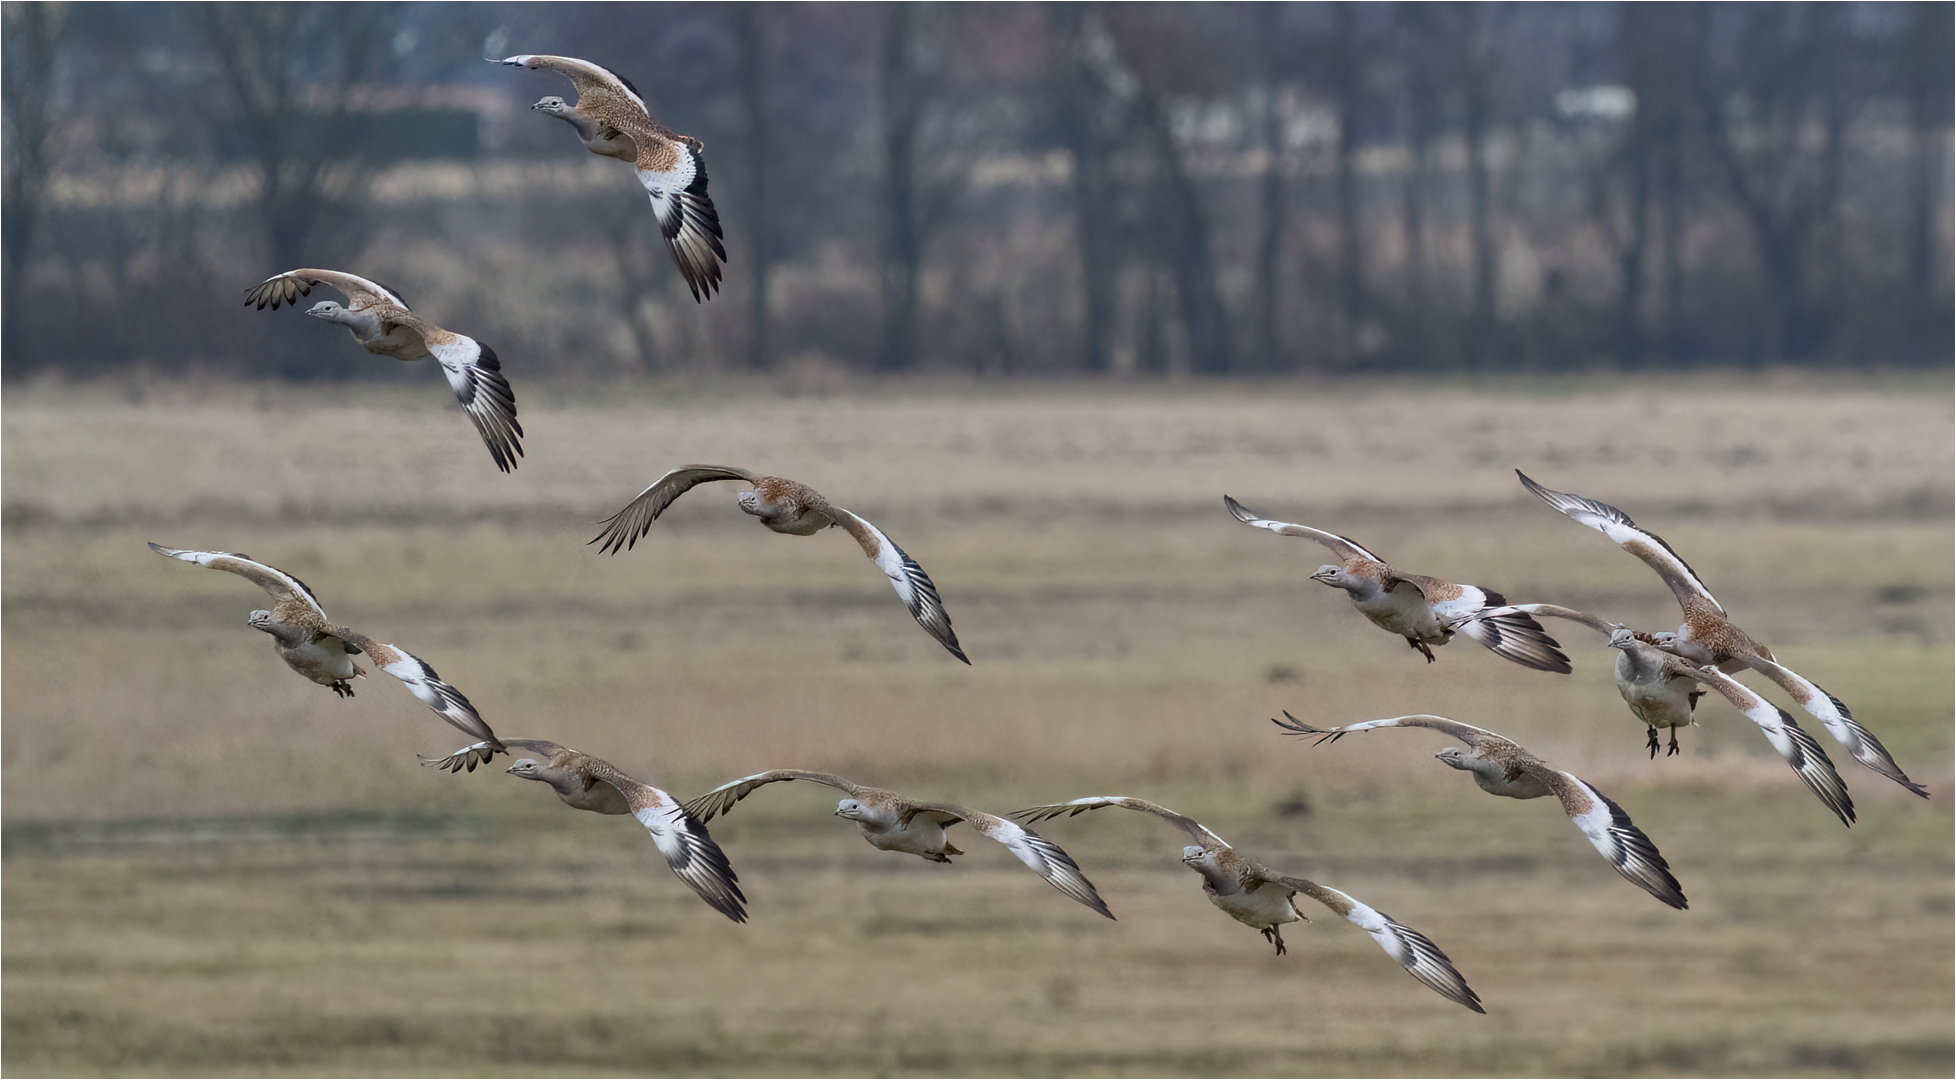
(1331, 574)
(852, 809)
(553, 105)
(1454, 756)
(328, 310)
(525, 768)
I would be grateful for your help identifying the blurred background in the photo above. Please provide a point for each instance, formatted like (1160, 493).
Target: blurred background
(992, 189)
(1031, 287)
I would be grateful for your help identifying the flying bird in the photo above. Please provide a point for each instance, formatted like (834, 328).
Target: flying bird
(798, 510)
(1425, 611)
(1799, 749)
(589, 783)
(324, 652)
(891, 822)
(1265, 900)
(1657, 695)
(1502, 767)
(380, 321)
(1708, 637)
(612, 120)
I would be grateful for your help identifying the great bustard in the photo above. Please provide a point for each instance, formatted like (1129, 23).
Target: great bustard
(891, 822)
(1261, 898)
(1425, 611)
(612, 120)
(1708, 637)
(591, 783)
(380, 321)
(323, 651)
(1502, 766)
(786, 506)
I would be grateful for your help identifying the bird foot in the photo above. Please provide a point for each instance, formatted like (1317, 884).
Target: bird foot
(1275, 937)
(1674, 743)
(342, 689)
(1653, 743)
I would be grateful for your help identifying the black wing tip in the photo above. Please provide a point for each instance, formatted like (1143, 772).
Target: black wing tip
(1817, 771)
(1238, 510)
(719, 886)
(1640, 862)
(1516, 636)
(1434, 968)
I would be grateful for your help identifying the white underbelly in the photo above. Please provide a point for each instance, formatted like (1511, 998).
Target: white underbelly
(920, 837)
(1269, 904)
(1404, 612)
(324, 662)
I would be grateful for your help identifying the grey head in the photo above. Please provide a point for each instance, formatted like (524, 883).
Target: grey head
(553, 105)
(1194, 854)
(1622, 638)
(527, 768)
(330, 311)
(1337, 577)
(853, 809)
(286, 634)
(1456, 757)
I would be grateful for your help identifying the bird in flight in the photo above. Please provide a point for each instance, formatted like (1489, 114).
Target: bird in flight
(592, 783)
(380, 321)
(612, 120)
(323, 651)
(1262, 899)
(1424, 610)
(786, 506)
(891, 822)
(1502, 766)
(1708, 637)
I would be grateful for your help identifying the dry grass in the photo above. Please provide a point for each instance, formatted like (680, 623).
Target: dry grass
(213, 866)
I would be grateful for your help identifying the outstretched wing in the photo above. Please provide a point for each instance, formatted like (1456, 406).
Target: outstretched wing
(722, 799)
(1594, 622)
(1466, 733)
(594, 83)
(1342, 547)
(1046, 858)
(685, 211)
(282, 586)
(288, 287)
(1645, 545)
(1801, 752)
(1486, 616)
(476, 376)
(912, 585)
(1415, 952)
(422, 682)
(1613, 834)
(683, 840)
(1833, 715)
(623, 529)
(481, 753)
(1196, 830)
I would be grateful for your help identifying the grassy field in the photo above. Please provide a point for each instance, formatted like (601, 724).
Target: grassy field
(215, 867)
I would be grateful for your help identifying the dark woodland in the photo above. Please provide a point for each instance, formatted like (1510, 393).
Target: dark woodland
(1081, 190)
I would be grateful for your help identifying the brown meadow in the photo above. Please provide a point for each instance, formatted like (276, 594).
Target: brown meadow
(215, 867)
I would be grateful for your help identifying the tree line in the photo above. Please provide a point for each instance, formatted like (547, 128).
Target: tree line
(1046, 188)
